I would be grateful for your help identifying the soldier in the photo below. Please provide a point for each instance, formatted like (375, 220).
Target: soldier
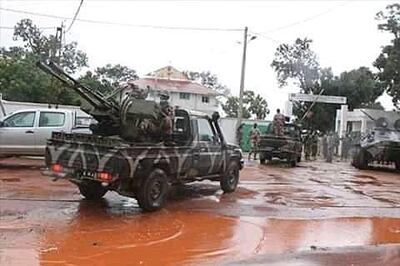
(254, 140)
(324, 146)
(314, 145)
(307, 146)
(331, 147)
(167, 113)
(279, 123)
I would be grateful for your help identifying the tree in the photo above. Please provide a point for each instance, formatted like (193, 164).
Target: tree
(359, 86)
(106, 78)
(388, 61)
(49, 47)
(298, 63)
(21, 80)
(209, 80)
(231, 107)
(252, 105)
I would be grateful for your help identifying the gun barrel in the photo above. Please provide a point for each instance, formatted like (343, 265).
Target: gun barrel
(94, 98)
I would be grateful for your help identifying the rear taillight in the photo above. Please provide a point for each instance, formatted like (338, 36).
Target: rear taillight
(104, 176)
(56, 167)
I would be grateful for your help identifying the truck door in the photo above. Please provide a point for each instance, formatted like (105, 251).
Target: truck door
(17, 133)
(50, 121)
(208, 148)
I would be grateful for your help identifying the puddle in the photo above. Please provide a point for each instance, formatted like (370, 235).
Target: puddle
(110, 234)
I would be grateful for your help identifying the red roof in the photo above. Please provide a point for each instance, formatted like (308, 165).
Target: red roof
(173, 85)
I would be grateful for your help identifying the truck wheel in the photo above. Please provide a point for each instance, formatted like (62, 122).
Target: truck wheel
(262, 160)
(397, 164)
(154, 191)
(299, 159)
(293, 162)
(92, 190)
(230, 179)
(360, 160)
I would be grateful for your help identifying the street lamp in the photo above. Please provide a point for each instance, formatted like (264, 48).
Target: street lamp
(240, 111)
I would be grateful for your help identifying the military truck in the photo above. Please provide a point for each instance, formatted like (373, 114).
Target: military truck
(138, 162)
(381, 144)
(287, 147)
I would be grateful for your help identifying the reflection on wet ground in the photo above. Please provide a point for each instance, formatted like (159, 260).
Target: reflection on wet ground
(276, 210)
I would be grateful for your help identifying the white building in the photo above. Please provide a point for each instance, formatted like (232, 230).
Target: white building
(360, 120)
(183, 92)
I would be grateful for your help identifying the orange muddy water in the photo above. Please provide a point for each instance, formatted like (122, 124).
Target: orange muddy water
(316, 208)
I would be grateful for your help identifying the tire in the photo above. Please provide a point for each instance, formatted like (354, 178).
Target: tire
(299, 159)
(153, 192)
(92, 190)
(360, 160)
(293, 162)
(397, 164)
(262, 160)
(230, 179)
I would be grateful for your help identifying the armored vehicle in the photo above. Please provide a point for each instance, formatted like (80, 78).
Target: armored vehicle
(287, 147)
(128, 154)
(381, 144)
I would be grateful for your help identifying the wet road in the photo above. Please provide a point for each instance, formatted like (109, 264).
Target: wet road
(315, 214)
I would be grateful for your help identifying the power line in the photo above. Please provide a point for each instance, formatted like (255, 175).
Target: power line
(265, 36)
(40, 28)
(121, 24)
(304, 20)
(75, 16)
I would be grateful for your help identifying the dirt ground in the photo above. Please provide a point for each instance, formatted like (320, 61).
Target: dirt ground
(314, 214)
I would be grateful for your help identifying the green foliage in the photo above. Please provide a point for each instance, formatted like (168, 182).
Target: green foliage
(388, 62)
(49, 47)
(209, 80)
(360, 88)
(21, 80)
(252, 105)
(298, 63)
(107, 78)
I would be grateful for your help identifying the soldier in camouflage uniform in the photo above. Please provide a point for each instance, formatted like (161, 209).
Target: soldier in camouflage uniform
(279, 123)
(314, 145)
(167, 121)
(254, 140)
(307, 146)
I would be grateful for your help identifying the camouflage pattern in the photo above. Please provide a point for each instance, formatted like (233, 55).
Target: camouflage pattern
(381, 145)
(82, 156)
(288, 146)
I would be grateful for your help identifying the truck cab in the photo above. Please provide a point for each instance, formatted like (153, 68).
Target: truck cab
(25, 132)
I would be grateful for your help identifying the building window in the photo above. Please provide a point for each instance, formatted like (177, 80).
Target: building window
(205, 99)
(184, 95)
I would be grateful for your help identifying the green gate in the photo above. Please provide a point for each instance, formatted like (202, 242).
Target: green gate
(245, 131)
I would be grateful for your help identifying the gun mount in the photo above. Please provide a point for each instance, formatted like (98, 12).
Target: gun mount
(381, 144)
(133, 118)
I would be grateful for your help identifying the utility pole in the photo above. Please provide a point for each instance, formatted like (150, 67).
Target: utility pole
(240, 111)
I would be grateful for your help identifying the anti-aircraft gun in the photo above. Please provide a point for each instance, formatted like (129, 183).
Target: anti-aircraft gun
(125, 118)
(381, 144)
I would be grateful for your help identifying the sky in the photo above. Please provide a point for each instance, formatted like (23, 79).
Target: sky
(344, 34)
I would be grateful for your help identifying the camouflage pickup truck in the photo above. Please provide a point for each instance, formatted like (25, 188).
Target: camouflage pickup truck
(97, 164)
(288, 146)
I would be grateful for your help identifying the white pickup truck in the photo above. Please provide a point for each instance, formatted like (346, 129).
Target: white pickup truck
(25, 132)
